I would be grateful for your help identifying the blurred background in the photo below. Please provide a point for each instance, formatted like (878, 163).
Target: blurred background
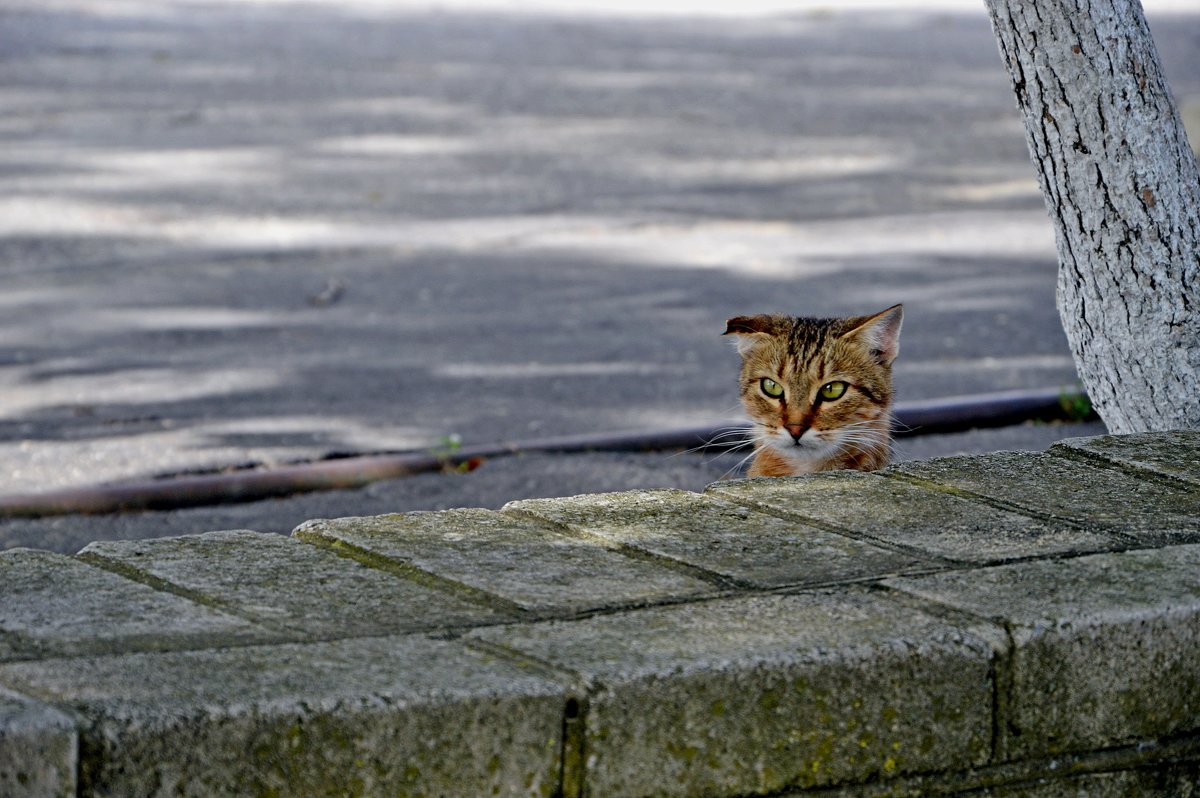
(252, 233)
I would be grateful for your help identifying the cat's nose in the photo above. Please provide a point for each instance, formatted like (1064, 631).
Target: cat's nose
(796, 431)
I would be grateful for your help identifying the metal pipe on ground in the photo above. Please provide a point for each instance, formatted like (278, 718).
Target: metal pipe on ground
(938, 416)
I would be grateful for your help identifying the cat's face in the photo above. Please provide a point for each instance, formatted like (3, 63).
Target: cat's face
(819, 389)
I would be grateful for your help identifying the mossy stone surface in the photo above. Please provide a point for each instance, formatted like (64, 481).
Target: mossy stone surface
(919, 519)
(1105, 646)
(51, 605)
(1018, 625)
(722, 537)
(1147, 511)
(525, 562)
(1173, 454)
(38, 748)
(753, 695)
(397, 716)
(288, 584)
(1177, 780)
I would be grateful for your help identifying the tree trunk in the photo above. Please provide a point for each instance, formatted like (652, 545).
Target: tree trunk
(1122, 188)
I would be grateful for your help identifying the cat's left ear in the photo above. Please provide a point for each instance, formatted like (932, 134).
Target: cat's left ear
(880, 333)
(749, 330)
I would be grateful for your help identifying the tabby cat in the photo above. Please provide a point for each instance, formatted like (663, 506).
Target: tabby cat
(819, 391)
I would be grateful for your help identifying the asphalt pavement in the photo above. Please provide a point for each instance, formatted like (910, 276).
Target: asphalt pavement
(254, 233)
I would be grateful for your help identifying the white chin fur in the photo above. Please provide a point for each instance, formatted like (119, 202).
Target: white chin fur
(809, 449)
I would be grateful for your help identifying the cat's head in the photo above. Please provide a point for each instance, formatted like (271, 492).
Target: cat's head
(819, 389)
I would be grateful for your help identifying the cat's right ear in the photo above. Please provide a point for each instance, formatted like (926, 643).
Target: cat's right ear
(879, 333)
(749, 330)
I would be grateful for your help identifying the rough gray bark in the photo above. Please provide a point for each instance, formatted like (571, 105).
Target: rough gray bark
(1122, 188)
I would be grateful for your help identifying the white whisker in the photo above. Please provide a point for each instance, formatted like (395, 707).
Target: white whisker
(725, 449)
(731, 438)
(737, 466)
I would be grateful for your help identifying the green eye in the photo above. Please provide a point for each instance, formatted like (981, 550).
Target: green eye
(771, 388)
(832, 390)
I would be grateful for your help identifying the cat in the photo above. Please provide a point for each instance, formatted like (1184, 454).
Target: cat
(819, 391)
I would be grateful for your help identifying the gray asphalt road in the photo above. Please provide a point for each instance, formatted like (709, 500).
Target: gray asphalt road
(247, 232)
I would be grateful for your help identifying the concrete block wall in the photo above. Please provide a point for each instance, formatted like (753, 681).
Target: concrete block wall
(1005, 625)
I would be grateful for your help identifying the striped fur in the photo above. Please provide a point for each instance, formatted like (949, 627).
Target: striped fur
(802, 430)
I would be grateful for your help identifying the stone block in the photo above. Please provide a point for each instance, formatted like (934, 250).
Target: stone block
(376, 716)
(1167, 780)
(1106, 647)
(283, 583)
(1172, 454)
(750, 548)
(1150, 512)
(523, 562)
(918, 519)
(52, 605)
(751, 695)
(38, 747)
